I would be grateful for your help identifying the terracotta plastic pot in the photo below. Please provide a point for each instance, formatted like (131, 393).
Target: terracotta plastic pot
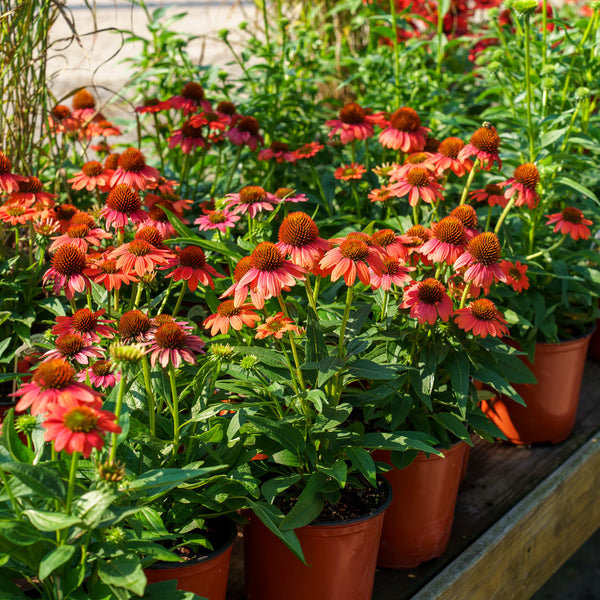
(207, 576)
(340, 555)
(551, 402)
(418, 523)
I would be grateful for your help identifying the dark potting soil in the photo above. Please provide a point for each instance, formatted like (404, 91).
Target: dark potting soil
(216, 531)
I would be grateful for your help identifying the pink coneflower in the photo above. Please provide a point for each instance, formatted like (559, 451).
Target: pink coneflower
(523, 184)
(446, 158)
(241, 292)
(404, 131)
(152, 105)
(80, 235)
(150, 234)
(60, 120)
(270, 273)
(416, 159)
(427, 300)
(17, 213)
(92, 175)
(482, 318)
(67, 271)
(515, 275)
(418, 236)
(104, 271)
(285, 194)
(391, 244)
(85, 323)
(52, 382)
(482, 257)
(245, 132)
(492, 193)
(280, 151)
(348, 172)
(299, 238)
(467, 215)
(188, 138)
(483, 145)
(354, 123)
(171, 343)
(134, 326)
(392, 272)
(31, 189)
(570, 221)
(100, 374)
(75, 426)
(251, 199)
(382, 194)
(73, 347)
(308, 150)
(217, 219)
(123, 204)
(418, 184)
(139, 256)
(448, 241)
(190, 99)
(9, 182)
(133, 171)
(228, 315)
(276, 326)
(102, 128)
(351, 258)
(190, 265)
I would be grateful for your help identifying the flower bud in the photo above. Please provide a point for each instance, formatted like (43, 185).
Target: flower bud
(223, 33)
(548, 69)
(582, 93)
(111, 472)
(116, 535)
(122, 355)
(549, 83)
(524, 8)
(248, 362)
(25, 424)
(494, 66)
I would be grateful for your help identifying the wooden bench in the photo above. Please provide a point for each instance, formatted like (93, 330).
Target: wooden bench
(521, 513)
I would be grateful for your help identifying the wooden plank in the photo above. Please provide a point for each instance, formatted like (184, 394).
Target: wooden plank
(522, 550)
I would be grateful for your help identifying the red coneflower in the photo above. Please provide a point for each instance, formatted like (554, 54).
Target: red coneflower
(299, 238)
(523, 184)
(171, 343)
(276, 326)
(417, 236)
(392, 272)
(308, 150)
(482, 257)
(404, 131)
(351, 258)
(354, 123)
(134, 326)
(52, 382)
(217, 219)
(251, 199)
(228, 315)
(240, 292)
(80, 235)
(245, 132)
(351, 171)
(9, 182)
(190, 99)
(570, 221)
(467, 215)
(67, 271)
(448, 241)
(427, 300)
(482, 318)
(60, 120)
(31, 189)
(484, 145)
(73, 347)
(101, 127)
(133, 171)
(104, 271)
(86, 323)
(75, 426)
(190, 265)
(285, 194)
(123, 204)
(188, 138)
(152, 105)
(391, 244)
(214, 121)
(100, 374)
(139, 256)
(418, 184)
(492, 193)
(382, 194)
(446, 157)
(92, 175)
(280, 151)
(515, 275)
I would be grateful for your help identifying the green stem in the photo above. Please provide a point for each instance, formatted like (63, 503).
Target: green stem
(439, 34)
(233, 168)
(504, 214)
(528, 86)
(175, 409)
(463, 197)
(13, 501)
(149, 395)
(465, 293)
(349, 296)
(217, 171)
(164, 302)
(293, 346)
(396, 51)
(180, 299)
(118, 408)
(310, 294)
(553, 247)
(72, 478)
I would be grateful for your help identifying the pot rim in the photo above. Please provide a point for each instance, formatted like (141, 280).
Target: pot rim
(163, 565)
(578, 338)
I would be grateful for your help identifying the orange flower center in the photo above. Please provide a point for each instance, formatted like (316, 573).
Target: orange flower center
(140, 248)
(450, 147)
(430, 291)
(5, 164)
(31, 185)
(77, 231)
(283, 192)
(70, 344)
(133, 323)
(419, 234)
(384, 238)
(109, 266)
(352, 114)
(228, 309)
(486, 139)
(515, 273)
(83, 218)
(112, 161)
(483, 309)
(298, 230)
(227, 108)
(81, 419)
(216, 217)
(193, 91)
(156, 213)
(405, 119)
(466, 214)
(68, 260)
(123, 199)
(431, 145)
(391, 266)
(162, 319)
(192, 256)
(418, 177)
(493, 190)
(485, 248)
(132, 160)
(243, 266)
(54, 374)
(61, 112)
(83, 99)
(151, 235)
(170, 336)
(416, 158)
(451, 231)
(92, 168)
(84, 320)
(249, 125)
(527, 175)
(102, 367)
(354, 249)
(252, 194)
(64, 212)
(266, 257)
(15, 211)
(572, 215)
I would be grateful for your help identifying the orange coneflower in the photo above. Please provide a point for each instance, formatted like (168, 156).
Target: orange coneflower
(134, 326)
(570, 221)
(393, 272)
(67, 271)
(190, 99)
(92, 175)
(492, 194)
(276, 326)
(280, 151)
(447, 157)
(418, 183)
(351, 258)
(139, 256)
(100, 374)
(299, 237)
(86, 323)
(228, 315)
(123, 204)
(515, 275)
(481, 258)
(482, 318)
(523, 184)
(171, 343)
(72, 347)
(404, 131)
(351, 171)
(217, 219)
(251, 199)
(190, 265)
(9, 182)
(427, 300)
(448, 241)
(133, 170)
(484, 145)
(188, 138)
(353, 123)
(104, 271)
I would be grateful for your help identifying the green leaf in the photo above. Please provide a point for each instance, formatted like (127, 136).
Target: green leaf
(41, 479)
(316, 349)
(20, 533)
(339, 471)
(574, 185)
(274, 486)
(458, 367)
(123, 571)
(400, 460)
(309, 504)
(54, 559)
(363, 461)
(453, 424)
(498, 382)
(399, 440)
(91, 507)
(18, 450)
(367, 369)
(159, 481)
(50, 521)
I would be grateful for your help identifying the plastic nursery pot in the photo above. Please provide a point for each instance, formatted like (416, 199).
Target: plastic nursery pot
(207, 576)
(340, 556)
(551, 402)
(418, 523)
